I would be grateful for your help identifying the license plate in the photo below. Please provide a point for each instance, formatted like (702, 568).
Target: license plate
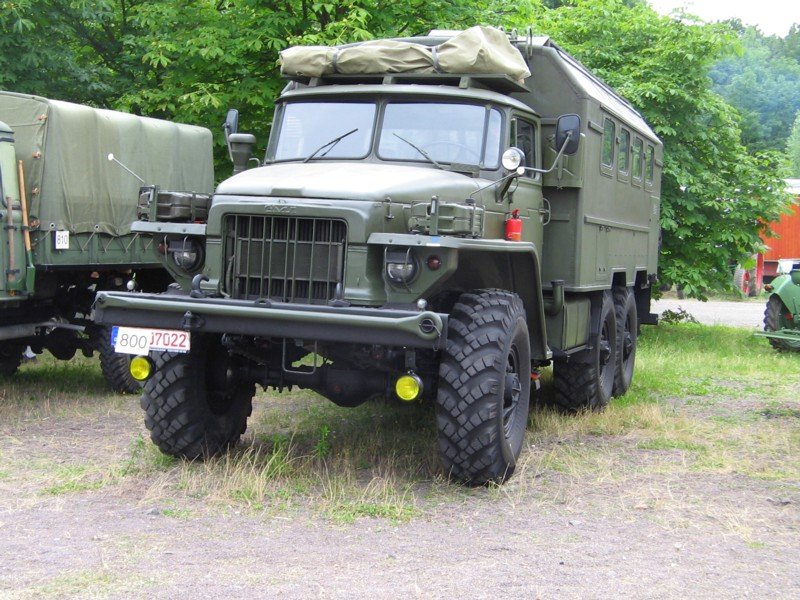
(137, 340)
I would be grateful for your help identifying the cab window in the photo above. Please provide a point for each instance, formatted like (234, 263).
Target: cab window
(523, 136)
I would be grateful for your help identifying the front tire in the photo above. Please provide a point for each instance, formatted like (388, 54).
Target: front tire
(775, 319)
(115, 366)
(587, 381)
(10, 359)
(194, 406)
(484, 387)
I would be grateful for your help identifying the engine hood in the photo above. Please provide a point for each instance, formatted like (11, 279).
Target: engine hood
(351, 181)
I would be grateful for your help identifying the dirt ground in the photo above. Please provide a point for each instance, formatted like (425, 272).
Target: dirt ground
(643, 528)
(647, 536)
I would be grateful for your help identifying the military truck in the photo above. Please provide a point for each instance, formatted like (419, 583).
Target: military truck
(436, 219)
(66, 213)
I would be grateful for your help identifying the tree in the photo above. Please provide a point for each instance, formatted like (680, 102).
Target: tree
(793, 148)
(763, 83)
(715, 196)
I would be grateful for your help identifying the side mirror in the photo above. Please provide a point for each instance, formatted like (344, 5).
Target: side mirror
(568, 130)
(231, 124)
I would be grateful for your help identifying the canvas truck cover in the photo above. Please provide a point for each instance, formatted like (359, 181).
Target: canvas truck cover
(476, 50)
(70, 182)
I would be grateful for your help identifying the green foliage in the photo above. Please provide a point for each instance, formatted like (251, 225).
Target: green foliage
(793, 147)
(190, 60)
(762, 82)
(715, 195)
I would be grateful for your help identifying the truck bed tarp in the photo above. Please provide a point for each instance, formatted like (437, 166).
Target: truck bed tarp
(73, 185)
(476, 50)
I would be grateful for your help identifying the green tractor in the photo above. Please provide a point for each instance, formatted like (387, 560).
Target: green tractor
(782, 315)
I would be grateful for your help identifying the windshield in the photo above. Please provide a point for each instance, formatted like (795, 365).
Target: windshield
(448, 133)
(314, 127)
(430, 132)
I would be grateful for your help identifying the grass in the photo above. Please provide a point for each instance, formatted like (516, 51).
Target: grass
(706, 402)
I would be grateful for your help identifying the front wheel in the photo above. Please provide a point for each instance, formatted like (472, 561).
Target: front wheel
(484, 387)
(194, 405)
(115, 366)
(10, 359)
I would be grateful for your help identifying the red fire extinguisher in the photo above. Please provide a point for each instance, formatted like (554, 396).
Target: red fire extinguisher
(514, 227)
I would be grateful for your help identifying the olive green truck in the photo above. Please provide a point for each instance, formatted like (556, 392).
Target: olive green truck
(436, 219)
(66, 212)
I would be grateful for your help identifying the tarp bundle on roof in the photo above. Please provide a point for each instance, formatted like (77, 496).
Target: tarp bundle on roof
(477, 50)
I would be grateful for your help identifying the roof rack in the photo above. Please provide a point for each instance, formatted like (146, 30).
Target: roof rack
(490, 81)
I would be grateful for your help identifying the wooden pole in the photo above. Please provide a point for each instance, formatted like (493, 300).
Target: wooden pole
(24, 205)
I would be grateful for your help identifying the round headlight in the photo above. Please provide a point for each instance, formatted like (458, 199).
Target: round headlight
(401, 272)
(186, 254)
(513, 158)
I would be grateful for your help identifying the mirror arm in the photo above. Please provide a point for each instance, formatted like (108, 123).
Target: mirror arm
(226, 128)
(555, 161)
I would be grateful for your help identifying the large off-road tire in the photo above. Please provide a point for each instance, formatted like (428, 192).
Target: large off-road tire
(194, 407)
(775, 318)
(10, 359)
(627, 335)
(484, 387)
(587, 381)
(115, 366)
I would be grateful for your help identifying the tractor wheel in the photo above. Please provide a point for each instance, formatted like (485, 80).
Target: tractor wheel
(587, 381)
(627, 334)
(115, 366)
(745, 281)
(484, 387)
(10, 359)
(777, 317)
(195, 408)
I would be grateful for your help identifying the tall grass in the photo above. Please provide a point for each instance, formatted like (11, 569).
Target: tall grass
(705, 400)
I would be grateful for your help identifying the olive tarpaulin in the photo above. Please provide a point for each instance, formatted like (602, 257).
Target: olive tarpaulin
(475, 50)
(71, 184)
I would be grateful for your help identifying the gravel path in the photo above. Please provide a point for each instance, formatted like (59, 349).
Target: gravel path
(716, 312)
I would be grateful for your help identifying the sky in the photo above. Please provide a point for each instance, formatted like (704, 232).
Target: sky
(773, 17)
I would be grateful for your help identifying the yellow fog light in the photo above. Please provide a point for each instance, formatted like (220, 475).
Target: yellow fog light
(408, 387)
(141, 368)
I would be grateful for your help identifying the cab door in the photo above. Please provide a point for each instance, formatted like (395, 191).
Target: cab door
(525, 193)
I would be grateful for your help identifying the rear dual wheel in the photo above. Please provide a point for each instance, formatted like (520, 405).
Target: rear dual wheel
(586, 381)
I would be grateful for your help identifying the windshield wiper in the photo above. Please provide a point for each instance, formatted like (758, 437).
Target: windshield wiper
(332, 143)
(420, 150)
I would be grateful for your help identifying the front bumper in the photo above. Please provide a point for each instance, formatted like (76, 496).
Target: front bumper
(385, 327)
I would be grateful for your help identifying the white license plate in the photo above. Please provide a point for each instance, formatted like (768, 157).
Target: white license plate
(137, 340)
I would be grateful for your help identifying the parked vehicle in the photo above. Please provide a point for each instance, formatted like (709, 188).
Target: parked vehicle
(66, 213)
(782, 254)
(431, 223)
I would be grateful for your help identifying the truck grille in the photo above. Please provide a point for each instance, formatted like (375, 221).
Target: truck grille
(287, 259)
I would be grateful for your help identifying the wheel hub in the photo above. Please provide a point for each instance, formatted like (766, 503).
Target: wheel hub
(511, 395)
(627, 345)
(605, 352)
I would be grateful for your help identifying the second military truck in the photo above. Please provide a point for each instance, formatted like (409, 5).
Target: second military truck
(436, 218)
(66, 213)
